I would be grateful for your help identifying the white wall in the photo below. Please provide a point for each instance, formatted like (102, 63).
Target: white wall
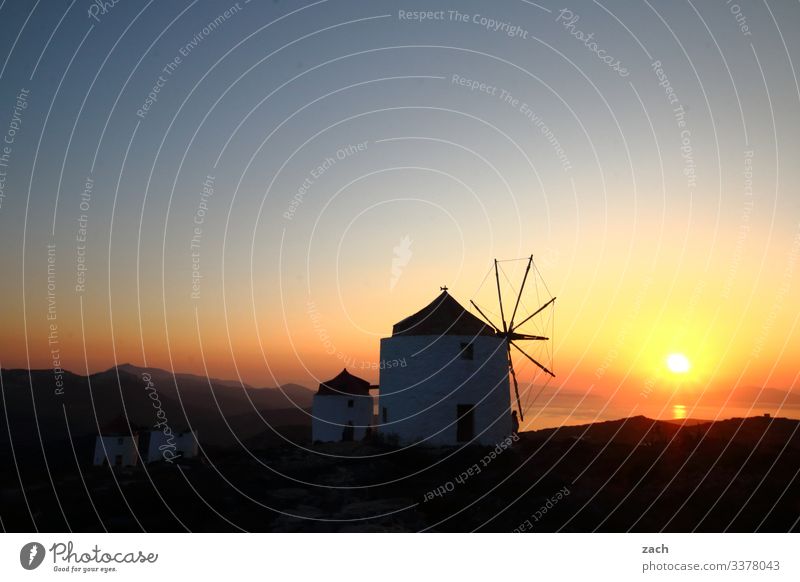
(183, 445)
(331, 414)
(422, 397)
(123, 445)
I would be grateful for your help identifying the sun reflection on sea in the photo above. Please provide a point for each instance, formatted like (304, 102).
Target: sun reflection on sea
(678, 411)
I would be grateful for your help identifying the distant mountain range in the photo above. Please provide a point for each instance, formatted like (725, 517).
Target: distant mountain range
(223, 412)
(755, 396)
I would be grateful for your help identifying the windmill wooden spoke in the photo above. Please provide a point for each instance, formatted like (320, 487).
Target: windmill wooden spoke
(537, 312)
(500, 296)
(516, 385)
(525, 336)
(532, 360)
(489, 321)
(519, 296)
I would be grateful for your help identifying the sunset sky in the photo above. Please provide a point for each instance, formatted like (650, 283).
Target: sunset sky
(293, 151)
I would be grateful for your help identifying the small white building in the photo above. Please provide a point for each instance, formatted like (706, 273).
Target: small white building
(343, 409)
(117, 445)
(173, 446)
(455, 386)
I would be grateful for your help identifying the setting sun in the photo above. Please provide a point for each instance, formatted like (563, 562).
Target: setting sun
(678, 363)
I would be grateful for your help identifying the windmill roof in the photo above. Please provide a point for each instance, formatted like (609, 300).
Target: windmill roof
(442, 316)
(344, 383)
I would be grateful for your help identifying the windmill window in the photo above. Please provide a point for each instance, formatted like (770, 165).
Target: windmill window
(350, 403)
(467, 351)
(119, 441)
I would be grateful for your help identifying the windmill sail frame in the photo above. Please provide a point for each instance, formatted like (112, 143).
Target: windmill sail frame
(509, 329)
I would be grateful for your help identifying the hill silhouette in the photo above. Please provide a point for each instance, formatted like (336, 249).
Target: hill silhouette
(221, 411)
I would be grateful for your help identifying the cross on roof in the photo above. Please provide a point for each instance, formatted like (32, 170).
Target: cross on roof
(444, 288)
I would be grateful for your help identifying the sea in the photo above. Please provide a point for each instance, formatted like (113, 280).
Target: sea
(572, 409)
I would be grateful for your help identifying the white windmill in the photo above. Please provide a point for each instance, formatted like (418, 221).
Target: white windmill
(454, 385)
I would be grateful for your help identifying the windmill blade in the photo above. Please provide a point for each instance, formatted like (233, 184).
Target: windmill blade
(519, 296)
(537, 312)
(516, 385)
(489, 321)
(532, 360)
(526, 336)
(500, 296)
